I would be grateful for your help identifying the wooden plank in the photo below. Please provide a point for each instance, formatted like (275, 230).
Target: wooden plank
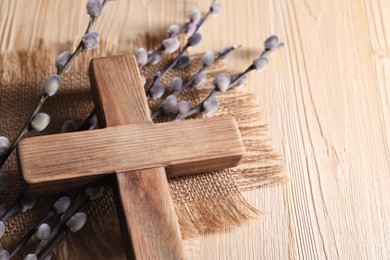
(186, 147)
(150, 216)
(116, 87)
(150, 229)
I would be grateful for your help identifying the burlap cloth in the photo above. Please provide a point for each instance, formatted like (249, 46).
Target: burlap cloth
(206, 202)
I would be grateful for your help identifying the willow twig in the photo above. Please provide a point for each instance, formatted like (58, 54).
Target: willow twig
(60, 70)
(192, 41)
(199, 108)
(60, 225)
(271, 44)
(30, 233)
(221, 55)
(182, 30)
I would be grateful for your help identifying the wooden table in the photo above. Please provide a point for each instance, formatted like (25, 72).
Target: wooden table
(326, 98)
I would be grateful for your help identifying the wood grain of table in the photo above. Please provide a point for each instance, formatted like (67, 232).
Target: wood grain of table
(325, 97)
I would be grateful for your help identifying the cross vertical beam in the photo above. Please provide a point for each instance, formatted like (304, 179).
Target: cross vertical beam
(146, 210)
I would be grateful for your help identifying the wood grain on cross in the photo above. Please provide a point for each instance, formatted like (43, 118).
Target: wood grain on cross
(140, 153)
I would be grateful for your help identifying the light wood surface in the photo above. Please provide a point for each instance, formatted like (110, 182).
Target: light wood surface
(325, 98)
(149, 225)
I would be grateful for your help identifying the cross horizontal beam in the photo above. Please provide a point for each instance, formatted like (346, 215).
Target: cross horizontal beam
(184, 148)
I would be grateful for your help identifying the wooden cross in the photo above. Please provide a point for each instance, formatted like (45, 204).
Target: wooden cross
(140, 154)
